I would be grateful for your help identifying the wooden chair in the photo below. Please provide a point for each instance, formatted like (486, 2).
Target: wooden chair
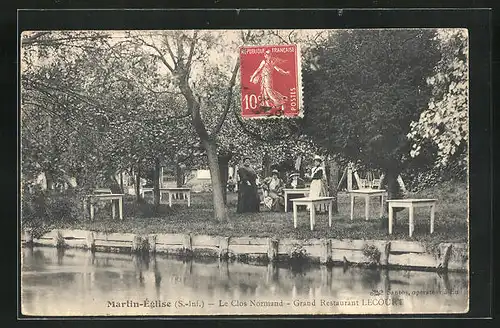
(375, 184)
(363, 183)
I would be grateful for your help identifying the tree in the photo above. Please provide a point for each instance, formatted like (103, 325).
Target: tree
(445, 120)
(179, 52)
(362, 90)
(103, 102)
(190, 57)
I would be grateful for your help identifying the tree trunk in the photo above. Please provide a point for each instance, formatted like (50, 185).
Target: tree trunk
(220, 210)
(179, 175)
(113, 184)
(156, 185)
(49, 179)
(393, 189)
(224, 172)
(208, 142)
(138, 183)
(266, 165)
(333, 181)
(121, 182)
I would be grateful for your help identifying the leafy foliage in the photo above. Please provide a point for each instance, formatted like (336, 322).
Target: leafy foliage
(364, 89)
(445, 120)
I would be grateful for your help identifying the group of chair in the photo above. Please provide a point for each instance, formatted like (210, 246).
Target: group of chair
(369, 184)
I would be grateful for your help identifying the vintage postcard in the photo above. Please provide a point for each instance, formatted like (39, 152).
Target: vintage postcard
(244, 172)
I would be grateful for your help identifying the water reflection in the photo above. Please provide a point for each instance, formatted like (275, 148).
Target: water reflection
(75, 282)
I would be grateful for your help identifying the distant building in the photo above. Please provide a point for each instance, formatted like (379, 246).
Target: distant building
(203, 174)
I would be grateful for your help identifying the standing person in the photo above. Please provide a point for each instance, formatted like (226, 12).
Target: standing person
(317, 188)
(231, 184)
(274, 186)
(248, 198)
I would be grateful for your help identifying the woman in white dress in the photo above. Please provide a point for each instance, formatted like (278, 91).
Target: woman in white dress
(317, 188)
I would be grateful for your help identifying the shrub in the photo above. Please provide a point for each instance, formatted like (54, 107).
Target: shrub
(42, 207)
(298, 253)
(372, 253)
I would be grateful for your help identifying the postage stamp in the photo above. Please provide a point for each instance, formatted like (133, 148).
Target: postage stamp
(271, 81)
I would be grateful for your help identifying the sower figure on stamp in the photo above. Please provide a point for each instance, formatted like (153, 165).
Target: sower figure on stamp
(274, 199)
(248, 197)
(270, 99)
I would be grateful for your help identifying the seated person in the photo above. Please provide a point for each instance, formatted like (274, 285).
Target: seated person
(273, 192)
(231, 184)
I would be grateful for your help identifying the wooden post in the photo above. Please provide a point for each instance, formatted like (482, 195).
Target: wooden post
(333, 180)
(91, 241)
(136, 243)
(344, 173)
(401, 183)
(152, 243)
(223, 270)
(187, 243)
(349, 177)
(28, 237)
(358, 180)
(272, 273)
(384, 257)
(326, 252)
(445, 252)
(272, 250)
(326, 277)
(223, 247)
(58, 240)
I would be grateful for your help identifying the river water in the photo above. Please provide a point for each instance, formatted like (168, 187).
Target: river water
(75, 282)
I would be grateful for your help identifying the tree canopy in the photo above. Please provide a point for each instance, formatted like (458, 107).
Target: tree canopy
(444, 122)
(362, 90)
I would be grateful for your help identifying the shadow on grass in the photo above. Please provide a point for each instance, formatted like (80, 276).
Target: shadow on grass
(141, 218)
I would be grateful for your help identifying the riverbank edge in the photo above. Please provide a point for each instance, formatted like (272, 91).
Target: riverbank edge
(392, 254)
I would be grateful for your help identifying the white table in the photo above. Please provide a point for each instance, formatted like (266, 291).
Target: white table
(291, 191)
(110, 197)
(145, 190)
(102, 191)
(411, 204)
(367, 194)
(186, 194)
(311, 202)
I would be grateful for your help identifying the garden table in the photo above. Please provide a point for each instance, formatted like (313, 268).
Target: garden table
(186, 194)
(145, 190)
(311, 202)
(110, 197)
(291, 191)
(411, 204)
(367, 194)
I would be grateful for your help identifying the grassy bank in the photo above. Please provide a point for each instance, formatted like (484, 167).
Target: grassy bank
(450, 221)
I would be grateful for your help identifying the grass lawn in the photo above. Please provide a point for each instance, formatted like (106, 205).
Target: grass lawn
(450, 220)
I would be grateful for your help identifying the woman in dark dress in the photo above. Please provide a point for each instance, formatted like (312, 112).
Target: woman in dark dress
(248, 197)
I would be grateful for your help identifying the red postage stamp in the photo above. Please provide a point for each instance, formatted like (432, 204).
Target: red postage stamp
(271, 81)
